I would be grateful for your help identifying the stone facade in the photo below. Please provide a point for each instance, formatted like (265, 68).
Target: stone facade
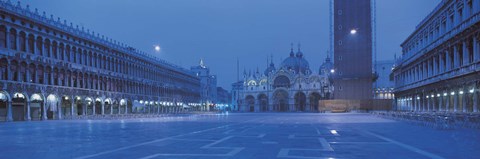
(49, 70)
(292, 87)
(440, 63)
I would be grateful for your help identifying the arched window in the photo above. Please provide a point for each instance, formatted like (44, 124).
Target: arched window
(281, 81)
(3, 36)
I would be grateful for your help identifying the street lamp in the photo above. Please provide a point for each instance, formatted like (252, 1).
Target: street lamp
(157, 48)
(353, 31)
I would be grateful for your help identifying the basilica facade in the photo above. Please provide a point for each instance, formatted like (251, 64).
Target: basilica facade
(292, 87)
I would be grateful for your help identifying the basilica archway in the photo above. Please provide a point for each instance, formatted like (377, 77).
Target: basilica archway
(3, 105)
(250, 101)
(314, 101)
(281, 81)
(263, 102)
(280, 100)
(300, 101)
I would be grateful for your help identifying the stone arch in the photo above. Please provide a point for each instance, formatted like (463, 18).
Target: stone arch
(108, 109)
(98, 106)
(250, 103)
(39, 46)
(281, 81)
(3, 36)
(36, 103)
(52, 105)
(31, 43)
(19, 106)
(46, 48)
(300, 101)
(87, 106)
(4, 99)
(4, 63)
(280, 100)
(13, 39)
(263, 102)
(22, 41)
(314, 99)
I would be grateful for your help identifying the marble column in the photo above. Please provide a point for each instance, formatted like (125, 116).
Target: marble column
(447, 61)
(59, 109)
(126, 108)
(465, 52)
(464, 102)
(72, 106)
(475, 101)
(44, 110)
(27, 115)
(428, 104)
(103, 108)
(93, 107)
(476, 51)
(9, 111)
(440, 103)
(455, 103)
(447, 103)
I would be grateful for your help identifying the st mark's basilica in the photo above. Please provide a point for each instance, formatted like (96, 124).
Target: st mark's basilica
(293, 86)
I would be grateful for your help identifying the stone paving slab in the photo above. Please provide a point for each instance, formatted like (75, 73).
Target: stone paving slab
(237, 135)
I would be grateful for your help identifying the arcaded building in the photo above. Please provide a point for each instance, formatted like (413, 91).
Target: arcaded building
(440, 65)
(51, 69)
(291, 87)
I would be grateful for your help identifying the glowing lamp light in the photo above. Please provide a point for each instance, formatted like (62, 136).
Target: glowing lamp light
(453, 93)
(353, 31)
(444, 94)
(461, 92)
(418, 97)
(471, 91)
(438, 95)
(332, 71)
(426, 97)
(334, 132)
(432, 96)
(157, 48)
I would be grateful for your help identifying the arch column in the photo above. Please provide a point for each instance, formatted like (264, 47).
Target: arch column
(464, 102)
(126, 107)
(455, 102)
(256, 105)
(9, 111)
(475, 101)
(59, 108)
(111, 107)
(428, 103)
(94, 102)
(72, 106)
(440, 103)
(7, 37)
(307, 104)
(103, 107)
(447, 103)
(119, 108)
(27, 114)
(44, 109)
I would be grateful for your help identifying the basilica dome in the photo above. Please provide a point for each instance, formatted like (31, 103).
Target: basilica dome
(270, 69)
(296, 63)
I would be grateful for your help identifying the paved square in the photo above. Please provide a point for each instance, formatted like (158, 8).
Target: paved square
(242, 135)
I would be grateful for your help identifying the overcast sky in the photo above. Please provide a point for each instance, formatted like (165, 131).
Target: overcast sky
(220, 31)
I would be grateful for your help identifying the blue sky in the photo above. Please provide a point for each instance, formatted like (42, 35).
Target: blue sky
(220, 31)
